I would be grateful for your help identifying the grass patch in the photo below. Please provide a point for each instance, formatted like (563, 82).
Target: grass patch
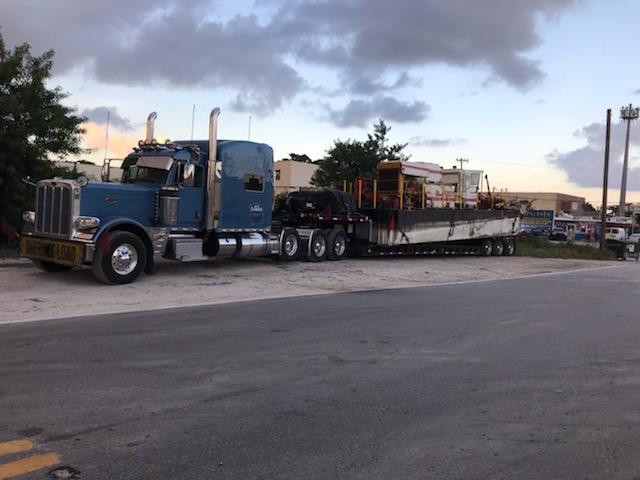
(541, 248)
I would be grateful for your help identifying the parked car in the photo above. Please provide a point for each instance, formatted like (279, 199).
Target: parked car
(532, 232)
(558, 234)
(634, 237)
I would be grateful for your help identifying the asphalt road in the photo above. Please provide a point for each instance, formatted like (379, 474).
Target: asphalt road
(533, 378)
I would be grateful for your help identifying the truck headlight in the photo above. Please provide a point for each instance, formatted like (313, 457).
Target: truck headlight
(29, 217)
(86, 223)
(81, 181)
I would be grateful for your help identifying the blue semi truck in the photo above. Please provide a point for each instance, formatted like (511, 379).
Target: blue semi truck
(197, 200)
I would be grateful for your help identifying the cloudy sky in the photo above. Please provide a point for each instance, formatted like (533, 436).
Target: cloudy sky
(520, 87)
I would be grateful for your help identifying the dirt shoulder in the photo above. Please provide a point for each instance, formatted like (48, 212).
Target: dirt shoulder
(27, 293)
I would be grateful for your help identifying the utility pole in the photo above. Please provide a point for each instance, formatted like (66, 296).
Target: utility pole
(462, 160)
(605, 182)
(626, 113)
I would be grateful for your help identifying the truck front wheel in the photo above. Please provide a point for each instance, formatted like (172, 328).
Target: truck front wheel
(119, 259)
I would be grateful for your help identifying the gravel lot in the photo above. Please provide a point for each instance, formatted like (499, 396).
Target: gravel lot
(27, 293)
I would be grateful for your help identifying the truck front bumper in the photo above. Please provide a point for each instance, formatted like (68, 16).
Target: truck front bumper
(62, 251)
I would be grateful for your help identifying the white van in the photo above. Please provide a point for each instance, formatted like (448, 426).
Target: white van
(615, 233)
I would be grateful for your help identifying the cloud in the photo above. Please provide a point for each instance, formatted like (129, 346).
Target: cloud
(240, 53)
(436, 142)
(358, 113)
(98, 115)
(585, 165)
(362, 82)
(370, 35)
(373, 47)
(159, 42)
(120, 143)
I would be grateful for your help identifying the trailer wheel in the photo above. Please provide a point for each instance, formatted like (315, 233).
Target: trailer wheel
(509, 247)
(289, 245)
(51, 267)
(336, 244)
(121, 260)
(497, 248)
(317, 250)
(486, 248)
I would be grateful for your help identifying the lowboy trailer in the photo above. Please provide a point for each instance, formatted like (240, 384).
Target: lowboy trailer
(386, 231)
(199, 200)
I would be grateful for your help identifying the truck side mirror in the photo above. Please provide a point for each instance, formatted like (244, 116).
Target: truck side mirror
(188, 172)
(104, 174)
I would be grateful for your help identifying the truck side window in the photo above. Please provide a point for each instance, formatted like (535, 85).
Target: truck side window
(199, 175)
(253, 183)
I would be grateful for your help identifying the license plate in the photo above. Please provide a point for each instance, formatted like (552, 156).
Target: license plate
(66, 253)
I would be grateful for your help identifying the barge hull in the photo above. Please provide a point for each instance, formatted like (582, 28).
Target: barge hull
(390, 227)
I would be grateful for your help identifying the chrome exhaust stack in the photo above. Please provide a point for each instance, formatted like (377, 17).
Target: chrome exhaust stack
(213, 175)
(151, 120)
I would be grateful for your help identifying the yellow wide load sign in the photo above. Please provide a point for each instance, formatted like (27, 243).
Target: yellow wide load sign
(65, 253)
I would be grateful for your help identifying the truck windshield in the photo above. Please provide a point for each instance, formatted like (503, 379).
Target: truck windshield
(146, 169)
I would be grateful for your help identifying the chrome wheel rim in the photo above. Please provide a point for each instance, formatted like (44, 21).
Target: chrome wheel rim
(124, 259)
(290, 245)
(319, 246)
(339, 246)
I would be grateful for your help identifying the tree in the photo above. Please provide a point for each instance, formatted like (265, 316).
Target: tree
(349, 159)
(294, 157)
(34, 126)
(378, 141)
(588, 208)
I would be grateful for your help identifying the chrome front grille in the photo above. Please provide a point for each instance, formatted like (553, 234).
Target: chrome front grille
(53, 209)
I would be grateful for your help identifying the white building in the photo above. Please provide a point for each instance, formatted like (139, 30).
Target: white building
(292, 176)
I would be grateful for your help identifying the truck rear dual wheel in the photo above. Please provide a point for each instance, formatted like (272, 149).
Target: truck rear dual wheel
(497, 247)
(336, 244)
(509, 247)
(289, 247)
(486, 248)
(330, 244)
(317, 248)
(120, 259)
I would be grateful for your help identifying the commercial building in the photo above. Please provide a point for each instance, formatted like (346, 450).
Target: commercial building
(558, 202)
(292, 176)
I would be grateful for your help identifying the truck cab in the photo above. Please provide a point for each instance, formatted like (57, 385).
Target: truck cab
(185, 200)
